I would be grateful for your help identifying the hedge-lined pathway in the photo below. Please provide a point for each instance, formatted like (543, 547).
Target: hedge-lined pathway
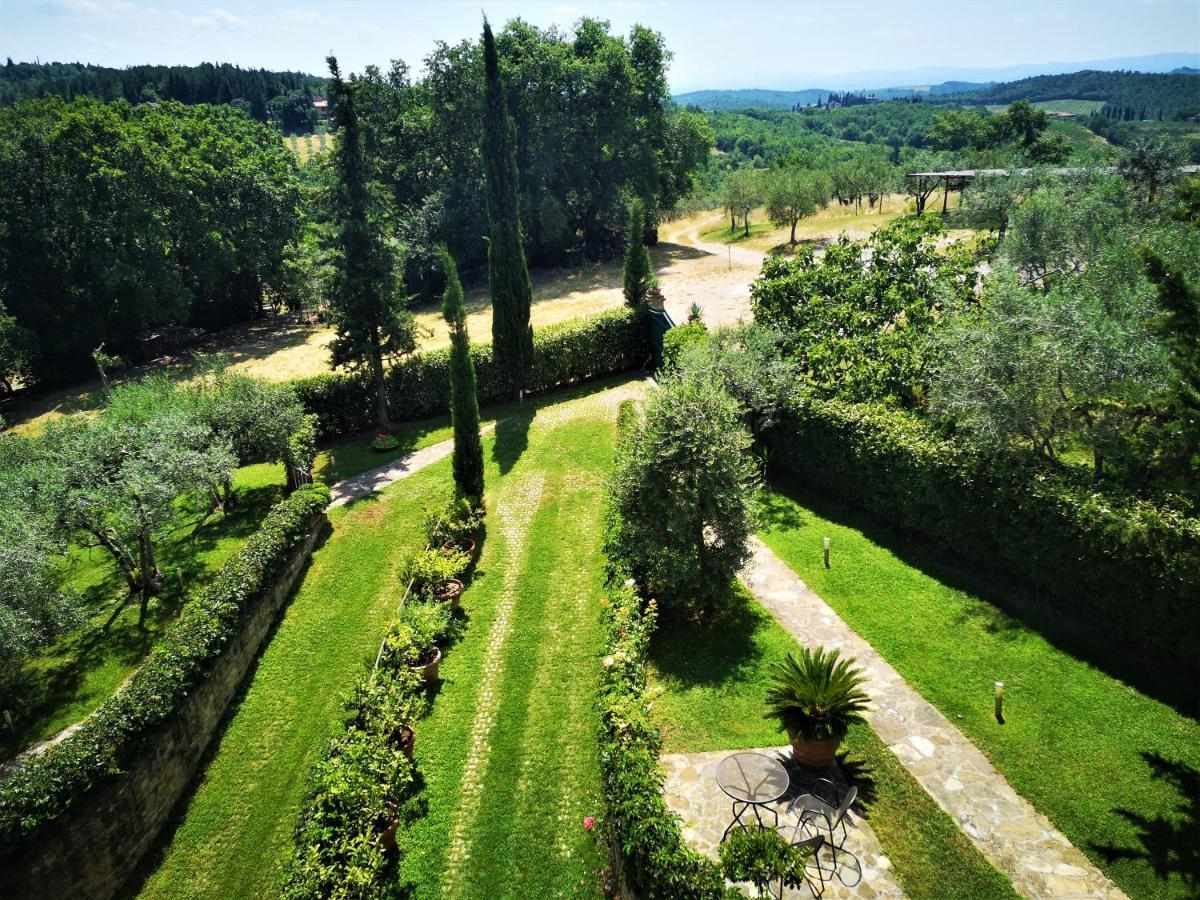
(1018, 840)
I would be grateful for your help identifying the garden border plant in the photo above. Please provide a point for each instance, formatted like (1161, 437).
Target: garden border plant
(366, 787)
(1097, 557)
(47, 787)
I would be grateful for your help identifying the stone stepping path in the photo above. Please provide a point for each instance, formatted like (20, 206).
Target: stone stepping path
(691, 791)
(1016, 838)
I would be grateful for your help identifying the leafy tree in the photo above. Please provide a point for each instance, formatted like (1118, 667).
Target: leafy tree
(293, 111)
(858, 317)
(512, 292)
(741, 191)
(1152, 165)
(464, 403)
(366, 305)
(1022, 122)
(15, 346)
(793, 194)
(638, 273)
(682, 494)
(1050, 150)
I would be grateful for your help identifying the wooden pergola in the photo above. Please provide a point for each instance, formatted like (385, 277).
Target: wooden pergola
(957, 180)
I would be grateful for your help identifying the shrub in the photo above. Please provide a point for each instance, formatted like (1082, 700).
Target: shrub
(678, 340)
(431, 567)
(458, 519)
(763, 857)
(818, 697)
(681, 494)
(48, 786)
(1103, 562)
(419, 386)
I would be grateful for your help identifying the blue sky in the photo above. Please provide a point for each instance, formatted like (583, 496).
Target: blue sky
(716, 44)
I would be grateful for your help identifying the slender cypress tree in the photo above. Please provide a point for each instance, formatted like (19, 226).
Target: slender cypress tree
(464, 405)
(638, 276)
(512, 293)
(366, 305)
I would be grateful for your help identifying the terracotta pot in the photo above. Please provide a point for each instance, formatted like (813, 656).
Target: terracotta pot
(404, 738)
(461, 545)
(450, 591)
(430, 669)
(387, 839)
(815, 756)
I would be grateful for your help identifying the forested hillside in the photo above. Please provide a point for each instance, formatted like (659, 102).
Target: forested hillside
(1153, 96)
(251, 89)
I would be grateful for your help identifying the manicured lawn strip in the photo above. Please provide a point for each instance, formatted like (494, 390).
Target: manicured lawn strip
(1112, 768)
(77, 674)
(709, 679)
(541, 778)
(237, 828)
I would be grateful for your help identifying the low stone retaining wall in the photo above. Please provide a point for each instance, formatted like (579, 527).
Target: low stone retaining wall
(93, 851)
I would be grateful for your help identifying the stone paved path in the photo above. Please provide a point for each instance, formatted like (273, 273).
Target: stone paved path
(692, 792)
(376, 479)
(1019, 841)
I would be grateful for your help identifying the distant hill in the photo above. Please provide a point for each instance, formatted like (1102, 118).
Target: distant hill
(1144, 96)
(717, 101)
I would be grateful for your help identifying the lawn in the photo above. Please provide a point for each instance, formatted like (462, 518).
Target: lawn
(709, 681)
(1117, 772)
(515, 686)
(78, 673)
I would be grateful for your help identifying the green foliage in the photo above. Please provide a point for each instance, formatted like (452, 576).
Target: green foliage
(817, 697)
(1093, 555)
(48, 786)
(117, 219)
(16, 348)
(859, 317)
(1148, 94)
(1152, 165)
(793, 194)
(637, 276)
(763, 857)
(431, 568)
(464, 402)
(418, 387)
(678, 340)
(681, 494)
(458, 519)
(656, 859)
(508, 276)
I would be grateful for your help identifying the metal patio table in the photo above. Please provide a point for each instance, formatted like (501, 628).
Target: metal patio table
(752, 781)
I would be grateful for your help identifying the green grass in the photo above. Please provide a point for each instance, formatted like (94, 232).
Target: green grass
(725, 235)
(1074, 107)
(236, 831)
(352, 454)
(519, 832)
(709, 684)
(1117, 772)
(74, 676)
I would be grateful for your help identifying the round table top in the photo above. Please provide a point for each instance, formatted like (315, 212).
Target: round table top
(752, 777)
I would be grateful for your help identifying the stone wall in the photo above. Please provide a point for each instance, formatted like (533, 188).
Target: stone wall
(92, 852)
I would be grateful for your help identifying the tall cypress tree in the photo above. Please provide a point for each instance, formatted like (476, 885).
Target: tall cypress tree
(512, 293)
(464, 405)
(638, 275)
(366, 305)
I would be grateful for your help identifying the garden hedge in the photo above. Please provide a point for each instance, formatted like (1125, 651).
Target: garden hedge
(46, 787)
(1116, 570)
(419, 386)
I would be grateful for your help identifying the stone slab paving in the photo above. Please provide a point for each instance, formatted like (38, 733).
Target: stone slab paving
(691, 791)
(1016, 838)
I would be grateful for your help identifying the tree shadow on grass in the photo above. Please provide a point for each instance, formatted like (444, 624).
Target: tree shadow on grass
(709, 651)
(512, 439)
(1169, 844)
(998, 601)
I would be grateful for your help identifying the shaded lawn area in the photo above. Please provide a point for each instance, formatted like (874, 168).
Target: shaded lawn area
(236, 830)
(1116, 771)
(509, 750)
(74, 676)
(709, 683)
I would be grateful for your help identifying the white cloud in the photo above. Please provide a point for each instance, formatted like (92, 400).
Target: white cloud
(218, 18)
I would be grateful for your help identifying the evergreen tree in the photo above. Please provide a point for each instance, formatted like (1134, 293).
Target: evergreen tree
(464, 405)
(638, 275)
(512, 293)
(365, 303)
(1179, 329)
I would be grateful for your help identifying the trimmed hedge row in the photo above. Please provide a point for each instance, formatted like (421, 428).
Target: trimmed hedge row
(364, 785)
(1103, 562)
(419, 386)
(47, 786)
(654, 859)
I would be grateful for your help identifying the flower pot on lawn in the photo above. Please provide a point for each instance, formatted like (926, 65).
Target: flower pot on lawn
(449, 591)
(815, 756)
(387, 840)
(404, 738)
(461, 545)
(429, 668)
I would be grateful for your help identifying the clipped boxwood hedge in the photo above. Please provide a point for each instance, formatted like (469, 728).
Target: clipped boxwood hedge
(1103, 562)
(419, 386)
(47, 786)
(655, 860)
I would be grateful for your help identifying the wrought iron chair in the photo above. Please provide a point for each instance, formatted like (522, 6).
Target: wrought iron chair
(817, 814)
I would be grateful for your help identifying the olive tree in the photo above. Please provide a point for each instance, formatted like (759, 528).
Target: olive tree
(682, 494)
(794, 194)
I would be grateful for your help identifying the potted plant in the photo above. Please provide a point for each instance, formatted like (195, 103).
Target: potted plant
(763, 857)
(455, 525)
(427, 622)
(405, 738)
(383, 442)
(434, 575)
(815, 699)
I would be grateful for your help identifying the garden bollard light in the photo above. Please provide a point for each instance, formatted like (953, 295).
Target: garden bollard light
(1000, 702)
(826, 542)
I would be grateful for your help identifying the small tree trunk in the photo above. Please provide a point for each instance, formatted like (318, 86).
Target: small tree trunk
(150, 576)
(381, 407)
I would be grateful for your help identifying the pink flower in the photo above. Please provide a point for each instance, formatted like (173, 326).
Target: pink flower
(589, 823)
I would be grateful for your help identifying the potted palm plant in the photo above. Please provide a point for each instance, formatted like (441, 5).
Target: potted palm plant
(815, 699)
